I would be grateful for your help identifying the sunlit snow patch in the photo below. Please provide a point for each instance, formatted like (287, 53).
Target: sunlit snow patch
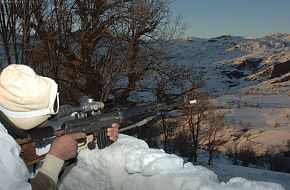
(129, 164)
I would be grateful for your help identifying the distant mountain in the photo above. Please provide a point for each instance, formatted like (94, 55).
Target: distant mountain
(230, 63)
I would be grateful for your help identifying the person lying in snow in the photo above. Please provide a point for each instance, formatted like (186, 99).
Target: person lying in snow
(28, 100)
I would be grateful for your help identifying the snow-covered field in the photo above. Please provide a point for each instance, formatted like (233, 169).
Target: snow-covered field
(264, 108)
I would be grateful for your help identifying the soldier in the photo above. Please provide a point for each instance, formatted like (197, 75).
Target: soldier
(27, 100)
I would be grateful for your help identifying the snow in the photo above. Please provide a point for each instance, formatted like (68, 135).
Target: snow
(129, 164)
(253, 98)
(216, 57)
(265, 108)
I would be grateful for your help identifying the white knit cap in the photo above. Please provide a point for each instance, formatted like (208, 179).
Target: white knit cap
(26, 98)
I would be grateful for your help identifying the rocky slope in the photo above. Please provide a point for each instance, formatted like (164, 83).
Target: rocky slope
(230, 63)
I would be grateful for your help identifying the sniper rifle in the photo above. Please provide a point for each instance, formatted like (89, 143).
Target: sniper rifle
(88, 118)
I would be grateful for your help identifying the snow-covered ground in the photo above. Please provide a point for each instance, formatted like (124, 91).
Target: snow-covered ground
(129, 164)
(248, 80)
(264, 108)
(225, 170)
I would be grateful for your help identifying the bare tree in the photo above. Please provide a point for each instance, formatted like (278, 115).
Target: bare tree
(98, 47)
(183, 142)
(16, 31)
(9, 24)
(197, 121)
(215, 124)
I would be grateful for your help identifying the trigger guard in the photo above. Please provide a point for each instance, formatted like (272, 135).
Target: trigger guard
(82, 142)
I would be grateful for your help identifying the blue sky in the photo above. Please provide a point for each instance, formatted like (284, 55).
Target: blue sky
(248, 18)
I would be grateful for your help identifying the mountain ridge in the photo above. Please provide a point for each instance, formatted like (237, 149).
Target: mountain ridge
(231, 63)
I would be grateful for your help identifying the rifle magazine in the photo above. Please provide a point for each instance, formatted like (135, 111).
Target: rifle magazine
(103, 139)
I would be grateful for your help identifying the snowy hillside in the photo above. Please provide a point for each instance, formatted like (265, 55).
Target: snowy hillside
(249, 80)
(230, 63)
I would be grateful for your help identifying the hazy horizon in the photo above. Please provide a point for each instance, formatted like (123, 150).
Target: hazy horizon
(251, 19)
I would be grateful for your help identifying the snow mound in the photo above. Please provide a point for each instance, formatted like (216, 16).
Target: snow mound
(129, 164)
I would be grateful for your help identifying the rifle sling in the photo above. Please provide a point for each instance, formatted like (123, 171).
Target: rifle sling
(15, 132)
